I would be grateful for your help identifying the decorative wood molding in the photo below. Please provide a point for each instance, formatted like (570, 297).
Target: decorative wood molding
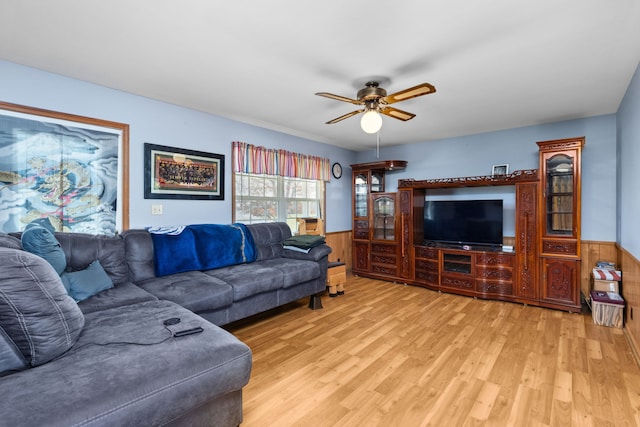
(384, 164)
(527, 175)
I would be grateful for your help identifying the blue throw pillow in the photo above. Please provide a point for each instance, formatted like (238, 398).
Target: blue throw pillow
(38, 238)
(88, 282)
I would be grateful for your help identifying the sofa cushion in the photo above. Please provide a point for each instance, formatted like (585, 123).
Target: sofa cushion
(268, 238)
(8, 241)
(294, 271)
(88, 282)
(193, 290)
(249, 279)
(35, 310)
(82, 249)
(121, 294)
(127, 369)
(38, 238)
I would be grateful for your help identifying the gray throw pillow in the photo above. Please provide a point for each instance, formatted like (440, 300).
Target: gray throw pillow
(35, 310)
(88, 282)
(38, 238)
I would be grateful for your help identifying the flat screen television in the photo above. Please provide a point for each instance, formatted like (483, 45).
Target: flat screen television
(463, 222)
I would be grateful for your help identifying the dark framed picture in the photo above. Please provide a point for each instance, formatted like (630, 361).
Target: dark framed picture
(176, 173)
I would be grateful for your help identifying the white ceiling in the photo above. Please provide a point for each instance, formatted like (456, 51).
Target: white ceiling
(496, 64)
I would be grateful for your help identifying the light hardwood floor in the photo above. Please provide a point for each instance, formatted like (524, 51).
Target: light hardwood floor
(387, 354)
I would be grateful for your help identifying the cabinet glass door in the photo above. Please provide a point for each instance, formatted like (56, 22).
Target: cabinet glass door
(377, 182)
(361, 190)
(559, 195)
(384, 224)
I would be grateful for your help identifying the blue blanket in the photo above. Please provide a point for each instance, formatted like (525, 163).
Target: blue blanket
(200, 247)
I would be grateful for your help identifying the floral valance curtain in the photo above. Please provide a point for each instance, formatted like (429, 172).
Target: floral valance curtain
(247, 158)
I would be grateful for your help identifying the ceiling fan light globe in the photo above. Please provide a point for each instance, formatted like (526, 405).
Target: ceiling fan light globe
(371, 122)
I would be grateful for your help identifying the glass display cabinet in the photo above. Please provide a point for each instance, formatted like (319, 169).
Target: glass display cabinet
(560, 162)
(374, 219)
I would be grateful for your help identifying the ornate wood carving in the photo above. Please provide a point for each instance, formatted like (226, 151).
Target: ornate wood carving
(493, 273)
(472, 181)
(559, 247)
(494, 288)
(383, 259)
(361, 255)
(560, 279)
(455, 282)
(427, 265)
(492, 258)
(379, 269)
(405, 233)
(426, 252)
(377, 248)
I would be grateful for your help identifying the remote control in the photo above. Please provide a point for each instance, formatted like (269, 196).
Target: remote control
(188, 332)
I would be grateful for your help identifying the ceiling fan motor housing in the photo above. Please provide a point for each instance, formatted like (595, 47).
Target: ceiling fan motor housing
(371, 92)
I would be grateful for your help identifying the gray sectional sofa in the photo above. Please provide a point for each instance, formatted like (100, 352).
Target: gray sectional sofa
(113, 359)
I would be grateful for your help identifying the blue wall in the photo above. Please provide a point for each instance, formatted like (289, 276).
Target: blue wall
(476, 154)
(629, 174)
(165, 124)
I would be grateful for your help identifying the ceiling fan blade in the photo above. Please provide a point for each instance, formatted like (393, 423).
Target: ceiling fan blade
(397, 114)
(339, 98)
(412, 92)
(345, 116)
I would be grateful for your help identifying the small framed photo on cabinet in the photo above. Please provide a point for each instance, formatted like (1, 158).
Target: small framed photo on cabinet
(500, 170)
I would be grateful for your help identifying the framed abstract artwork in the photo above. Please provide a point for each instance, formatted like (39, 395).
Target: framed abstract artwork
(176, 173)
(68, 168)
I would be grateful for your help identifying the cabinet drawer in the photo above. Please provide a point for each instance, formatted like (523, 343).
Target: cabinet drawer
(383, 259)
(383, 269)
(494, 273)
(426, 265)
(377, 248)
(457, 282)
(425, 252)
(361, 230)
(560, 247)
(491, 287)
(488, 258)
(428, 277)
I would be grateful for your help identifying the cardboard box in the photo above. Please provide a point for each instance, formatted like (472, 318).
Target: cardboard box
(605, 280)
(606, 286)
(607, 309)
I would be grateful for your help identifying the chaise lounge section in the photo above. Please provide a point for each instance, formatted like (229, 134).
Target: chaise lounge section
(126, 367)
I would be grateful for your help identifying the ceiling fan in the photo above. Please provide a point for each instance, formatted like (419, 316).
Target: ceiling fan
(376, 100)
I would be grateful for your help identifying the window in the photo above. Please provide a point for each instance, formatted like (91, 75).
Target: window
(271, 198)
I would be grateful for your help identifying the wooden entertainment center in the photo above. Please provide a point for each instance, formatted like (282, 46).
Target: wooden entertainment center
(543, 268)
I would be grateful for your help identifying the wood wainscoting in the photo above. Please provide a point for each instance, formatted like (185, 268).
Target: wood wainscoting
(630, 288)
(592, 252)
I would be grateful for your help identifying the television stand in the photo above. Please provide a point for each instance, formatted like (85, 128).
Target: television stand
(472, 272)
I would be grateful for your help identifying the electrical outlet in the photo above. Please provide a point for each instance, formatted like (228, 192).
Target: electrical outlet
(156, 209)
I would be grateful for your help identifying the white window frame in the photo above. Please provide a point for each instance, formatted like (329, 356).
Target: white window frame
(242, 196)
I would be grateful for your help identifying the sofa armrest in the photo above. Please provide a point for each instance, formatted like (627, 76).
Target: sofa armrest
(315, 254)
